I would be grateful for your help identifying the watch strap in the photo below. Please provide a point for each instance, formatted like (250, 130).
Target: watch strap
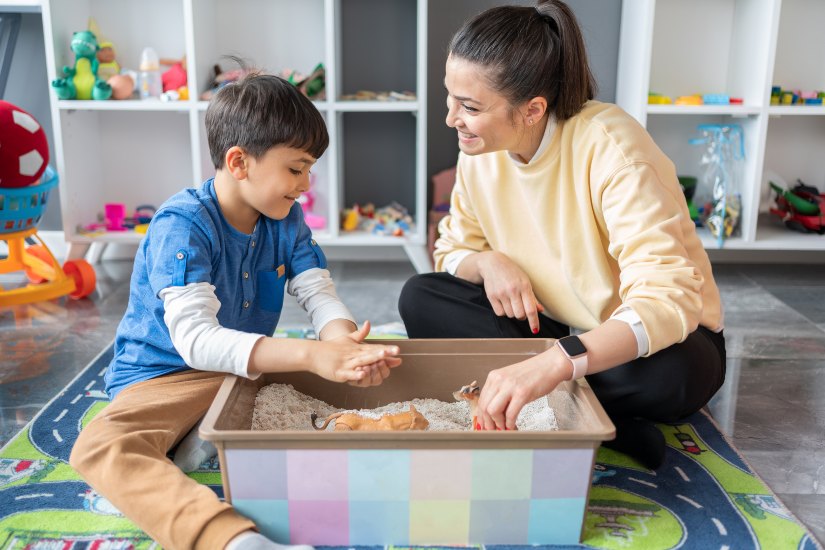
(579, 366)
(579, 362)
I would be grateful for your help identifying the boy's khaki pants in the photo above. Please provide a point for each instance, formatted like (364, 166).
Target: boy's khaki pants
(122, 455)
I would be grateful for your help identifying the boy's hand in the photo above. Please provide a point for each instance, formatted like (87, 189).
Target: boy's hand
(348, 359)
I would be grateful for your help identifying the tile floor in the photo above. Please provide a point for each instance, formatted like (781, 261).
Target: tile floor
(773, 403)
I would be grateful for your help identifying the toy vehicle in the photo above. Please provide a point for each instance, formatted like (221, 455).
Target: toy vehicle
(20, 211)
(801, 209)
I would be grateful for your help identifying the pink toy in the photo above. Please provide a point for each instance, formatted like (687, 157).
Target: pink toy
(307, 201)
(115, 213)
(174, 77)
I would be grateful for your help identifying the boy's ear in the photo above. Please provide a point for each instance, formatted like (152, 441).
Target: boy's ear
(236, 162)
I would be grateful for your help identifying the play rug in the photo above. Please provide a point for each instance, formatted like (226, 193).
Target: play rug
(704, 496)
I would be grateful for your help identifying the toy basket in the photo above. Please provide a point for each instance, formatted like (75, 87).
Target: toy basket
(22, 207)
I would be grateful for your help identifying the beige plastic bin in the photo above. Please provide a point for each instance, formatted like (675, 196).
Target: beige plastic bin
(416, 487)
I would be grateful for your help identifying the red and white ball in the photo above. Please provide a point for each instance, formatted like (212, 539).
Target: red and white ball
(24, 151)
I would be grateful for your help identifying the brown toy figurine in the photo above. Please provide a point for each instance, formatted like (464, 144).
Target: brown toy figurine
(344, 422)
(470, 394)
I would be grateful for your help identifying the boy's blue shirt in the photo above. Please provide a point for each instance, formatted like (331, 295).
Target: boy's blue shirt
(189, 241)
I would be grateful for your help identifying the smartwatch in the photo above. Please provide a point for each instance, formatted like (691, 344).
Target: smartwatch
(573, 348)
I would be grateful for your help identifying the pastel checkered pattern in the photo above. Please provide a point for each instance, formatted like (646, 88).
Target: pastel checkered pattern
(413, 497)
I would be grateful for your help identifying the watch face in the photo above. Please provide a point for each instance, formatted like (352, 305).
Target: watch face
(573, 346)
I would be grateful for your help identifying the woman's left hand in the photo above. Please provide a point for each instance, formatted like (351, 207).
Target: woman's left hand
(508, 389)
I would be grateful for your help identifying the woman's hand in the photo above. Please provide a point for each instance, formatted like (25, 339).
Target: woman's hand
(508, 389)
(509, 289)
(347, 359)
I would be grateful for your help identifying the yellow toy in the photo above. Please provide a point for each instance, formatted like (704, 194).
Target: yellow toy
(20, 211)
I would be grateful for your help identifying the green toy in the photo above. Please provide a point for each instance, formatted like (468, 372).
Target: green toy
(802, 205)
(81, 81)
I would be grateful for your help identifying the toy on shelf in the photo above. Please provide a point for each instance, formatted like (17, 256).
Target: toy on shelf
(174, 80)
(25, 184)
(115, 213)
(719, 190)
(392, 219)
(689, 100)
(694, 99)
(801, 208)
(107, 66)
(81, 81)
(222, 78)
(312, 86)
(688, 184)
(151, 85)
(107, 63)
(307, 201)
(796, 97)
(123, 85)
(114, 218)
(654, 98)
(369, 95)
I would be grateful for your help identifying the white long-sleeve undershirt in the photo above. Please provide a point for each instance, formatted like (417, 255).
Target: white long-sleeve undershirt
(191, 315)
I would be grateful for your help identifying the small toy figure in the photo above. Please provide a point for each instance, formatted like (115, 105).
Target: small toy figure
(222, 78)
(123, 86)
(174, 78)
(345, 422)
(470, 394)
(82, 81)
(801, 208)
(107, 64)
(312, 86)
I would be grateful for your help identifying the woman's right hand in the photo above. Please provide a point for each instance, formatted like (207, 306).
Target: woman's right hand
(348, 359)
(509, 289)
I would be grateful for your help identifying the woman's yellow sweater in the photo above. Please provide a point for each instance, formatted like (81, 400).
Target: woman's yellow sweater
(597, 220)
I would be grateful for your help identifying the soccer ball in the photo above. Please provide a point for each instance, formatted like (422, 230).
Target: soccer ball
(24, 151)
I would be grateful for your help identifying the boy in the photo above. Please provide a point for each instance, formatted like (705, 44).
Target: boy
(207, 285)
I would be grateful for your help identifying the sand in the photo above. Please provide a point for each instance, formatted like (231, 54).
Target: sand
(280, 407)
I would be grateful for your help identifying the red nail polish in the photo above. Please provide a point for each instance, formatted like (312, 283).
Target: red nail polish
(478, 427)
(535, 331)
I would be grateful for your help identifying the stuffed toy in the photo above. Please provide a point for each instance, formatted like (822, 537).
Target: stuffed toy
(81, 81)
(24, 151)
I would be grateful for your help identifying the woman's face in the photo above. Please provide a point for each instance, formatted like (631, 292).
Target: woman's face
(484, 120)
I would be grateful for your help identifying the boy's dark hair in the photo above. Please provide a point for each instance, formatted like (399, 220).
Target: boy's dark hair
(530, 52)
(260, 112)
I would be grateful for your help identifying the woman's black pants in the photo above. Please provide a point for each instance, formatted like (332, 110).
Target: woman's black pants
(664, 387)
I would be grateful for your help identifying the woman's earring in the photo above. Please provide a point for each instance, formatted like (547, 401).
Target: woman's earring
(529, 121)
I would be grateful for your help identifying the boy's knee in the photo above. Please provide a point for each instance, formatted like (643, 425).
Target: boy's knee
(90, 445)
(81, 451)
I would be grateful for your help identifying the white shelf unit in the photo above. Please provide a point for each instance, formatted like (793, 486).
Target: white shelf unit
(740, 48)
(141, 152)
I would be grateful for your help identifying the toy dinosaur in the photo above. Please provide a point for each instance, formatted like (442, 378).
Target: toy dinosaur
(470, 394)
(344, 422)
(81, 81)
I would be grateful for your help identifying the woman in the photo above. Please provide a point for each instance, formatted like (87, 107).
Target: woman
(565, 215)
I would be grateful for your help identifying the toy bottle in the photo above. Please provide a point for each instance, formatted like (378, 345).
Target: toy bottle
(151, 85)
